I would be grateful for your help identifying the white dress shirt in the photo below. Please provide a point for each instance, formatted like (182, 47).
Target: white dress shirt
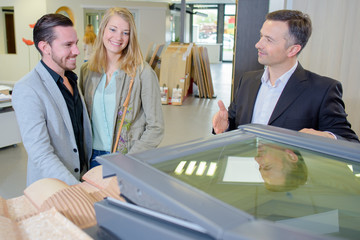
(269, 95)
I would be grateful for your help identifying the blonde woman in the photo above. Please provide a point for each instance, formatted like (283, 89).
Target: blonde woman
(89, 39)
(114, 72)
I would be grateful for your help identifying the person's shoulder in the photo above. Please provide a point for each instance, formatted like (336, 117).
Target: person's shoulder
(27, 84)
(320, 79)
(146, 69)
(84, 66)
(147, 75)
(85, 71)
(31, 78)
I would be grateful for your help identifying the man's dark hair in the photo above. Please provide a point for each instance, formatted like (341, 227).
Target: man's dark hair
(299, 25)
(296, 177)
(44, 28)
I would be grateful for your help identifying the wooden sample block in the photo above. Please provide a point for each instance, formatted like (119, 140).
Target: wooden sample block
(50, 225)
(54, 204)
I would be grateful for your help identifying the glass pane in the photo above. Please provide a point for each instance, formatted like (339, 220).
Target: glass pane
(228, 41)
(94, 19)
(230, 9)
(278, 182)
(205, 28)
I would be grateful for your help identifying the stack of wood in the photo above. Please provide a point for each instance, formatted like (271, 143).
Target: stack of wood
(202, 73)
(175, 72)
(177, 65)
(153, 56)
(51, 209)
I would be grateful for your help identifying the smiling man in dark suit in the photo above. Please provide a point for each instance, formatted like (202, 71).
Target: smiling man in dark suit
(284, 94)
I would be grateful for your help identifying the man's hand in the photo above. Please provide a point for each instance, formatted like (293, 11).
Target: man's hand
(220, 120)
(319, 133)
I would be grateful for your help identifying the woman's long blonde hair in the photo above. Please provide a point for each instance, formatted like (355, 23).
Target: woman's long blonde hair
(89, 36)
(131, 56)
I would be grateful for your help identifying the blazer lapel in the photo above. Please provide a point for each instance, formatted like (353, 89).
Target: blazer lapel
(294, 87)
(254, 86)
(95, 79)
(55, 93)
(121, 87)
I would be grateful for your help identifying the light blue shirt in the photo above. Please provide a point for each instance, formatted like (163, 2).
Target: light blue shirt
(269, 95)
(103, 113)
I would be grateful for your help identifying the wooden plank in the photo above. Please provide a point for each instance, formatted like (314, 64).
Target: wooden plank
(156, 56)
(174, 71)
(206, 61)
(198, 74)
(203, 73)
(149, 52)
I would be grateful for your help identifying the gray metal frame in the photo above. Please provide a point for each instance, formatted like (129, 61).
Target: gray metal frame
(150, 188)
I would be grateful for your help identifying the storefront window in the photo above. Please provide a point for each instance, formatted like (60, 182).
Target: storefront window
(229, 31)
(205, 26)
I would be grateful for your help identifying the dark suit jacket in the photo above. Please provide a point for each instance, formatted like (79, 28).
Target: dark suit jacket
(307, 101)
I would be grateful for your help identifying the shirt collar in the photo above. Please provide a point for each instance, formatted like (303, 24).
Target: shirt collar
(283, 78)
(69, 74)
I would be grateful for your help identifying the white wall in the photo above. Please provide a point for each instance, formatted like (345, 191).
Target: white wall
(333, 49)
(152, 26)
(14, 66)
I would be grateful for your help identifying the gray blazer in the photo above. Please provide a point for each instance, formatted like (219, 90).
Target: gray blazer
(46, 128)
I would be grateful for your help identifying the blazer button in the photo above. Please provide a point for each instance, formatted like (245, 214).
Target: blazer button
(76, 169)
(75, 150)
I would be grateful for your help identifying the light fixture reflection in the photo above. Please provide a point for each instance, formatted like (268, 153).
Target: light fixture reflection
(201, 169)
(180, 167)
(191, 167)
(212, 169)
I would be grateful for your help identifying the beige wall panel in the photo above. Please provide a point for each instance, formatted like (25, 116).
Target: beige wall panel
(333, 47)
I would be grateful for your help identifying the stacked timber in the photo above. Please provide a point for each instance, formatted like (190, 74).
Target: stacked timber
(153, 57)
(175, 71)
(178, 65)
(202, 73)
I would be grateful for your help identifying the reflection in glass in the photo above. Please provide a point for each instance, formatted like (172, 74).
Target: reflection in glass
(278, 182)
(283, 169)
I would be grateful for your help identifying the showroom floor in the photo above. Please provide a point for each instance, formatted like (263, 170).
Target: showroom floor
(192, 120)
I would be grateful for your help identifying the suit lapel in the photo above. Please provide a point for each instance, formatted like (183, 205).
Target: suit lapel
(121, 83)
(55, 93)
(254, 86)
(95, 79)
(294, 87)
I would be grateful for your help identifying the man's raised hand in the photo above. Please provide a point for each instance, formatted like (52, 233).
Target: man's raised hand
(220, 120)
